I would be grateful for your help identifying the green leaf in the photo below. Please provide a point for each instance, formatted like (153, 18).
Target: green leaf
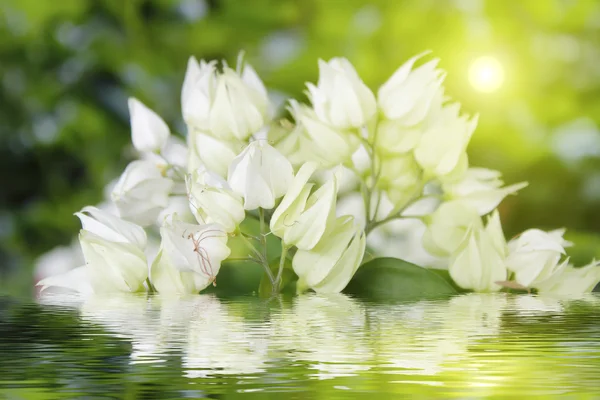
(394, 279)
(444, 274)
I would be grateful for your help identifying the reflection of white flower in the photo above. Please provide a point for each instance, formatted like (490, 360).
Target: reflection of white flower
(430, 338)
(220, 342)
(314, 326)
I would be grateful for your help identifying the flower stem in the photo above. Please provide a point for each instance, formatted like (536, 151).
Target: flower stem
(151, 288)
(277, 285)
(259, 256)
(263, 234)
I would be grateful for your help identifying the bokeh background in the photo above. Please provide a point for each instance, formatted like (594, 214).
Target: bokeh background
(68, 66)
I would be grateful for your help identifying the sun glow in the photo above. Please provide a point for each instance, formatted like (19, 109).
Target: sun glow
(486, 74)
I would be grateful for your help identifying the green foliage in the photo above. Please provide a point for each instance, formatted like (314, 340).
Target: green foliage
(392, 279)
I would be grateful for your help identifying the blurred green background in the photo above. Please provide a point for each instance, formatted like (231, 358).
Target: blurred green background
(68, 66)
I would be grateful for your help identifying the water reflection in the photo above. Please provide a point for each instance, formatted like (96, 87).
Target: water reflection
(471, 345)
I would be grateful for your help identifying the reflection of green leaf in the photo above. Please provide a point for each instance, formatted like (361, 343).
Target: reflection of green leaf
(288, 280)
(395, 279)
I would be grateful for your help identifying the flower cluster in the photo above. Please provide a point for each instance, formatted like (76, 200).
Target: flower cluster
(400, 146)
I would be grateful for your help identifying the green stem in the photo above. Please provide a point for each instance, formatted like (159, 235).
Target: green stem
(151, 288)
(263, 233)
(277, 286)
(259, 257)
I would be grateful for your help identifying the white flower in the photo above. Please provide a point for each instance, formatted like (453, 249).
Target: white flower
(340, 98)
(302, 218)
(443, 143)
(230, 105)
(478, 263)
(142, 192)
(212, 200)
(448, 226)
(569, 280)
(214, 154)
(315, 140)
(534, 255)
(329, 266)
(179, 205)
(197, 92)
(190, 257)
(114, 256)
(481, 188)
(407, 95)
(401, 179)
(261, 175)
(149, 132)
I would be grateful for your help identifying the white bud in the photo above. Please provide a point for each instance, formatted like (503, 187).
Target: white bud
(448, 226)
(329, 266)
(569, 280)
(534, 255)
(113, 250)
(481, 188)
(302, 217)
(149, 132)
(407, 96)
(444, 142)
(261, 175)
(341, 99)
(212, 200)
(190, 257)
(142, 192)
(478, 263)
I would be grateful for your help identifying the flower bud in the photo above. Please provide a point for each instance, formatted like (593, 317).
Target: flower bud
(341, 99)
(197, 93)
(261, 175)
(481, 188)
(302, 218)
(319, 141)
(212, 200)
(329, 266)
(448, 226)
(214, 154)
(401, 179)
(229, 105)
(534, 255)
(407, 95)
(478, 262)
(149, 132)
(113, 250)
(142, 192)
(190, 257)
(444, 141)
(569, 280)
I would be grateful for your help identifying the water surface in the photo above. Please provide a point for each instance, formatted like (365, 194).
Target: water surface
(313, 346)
